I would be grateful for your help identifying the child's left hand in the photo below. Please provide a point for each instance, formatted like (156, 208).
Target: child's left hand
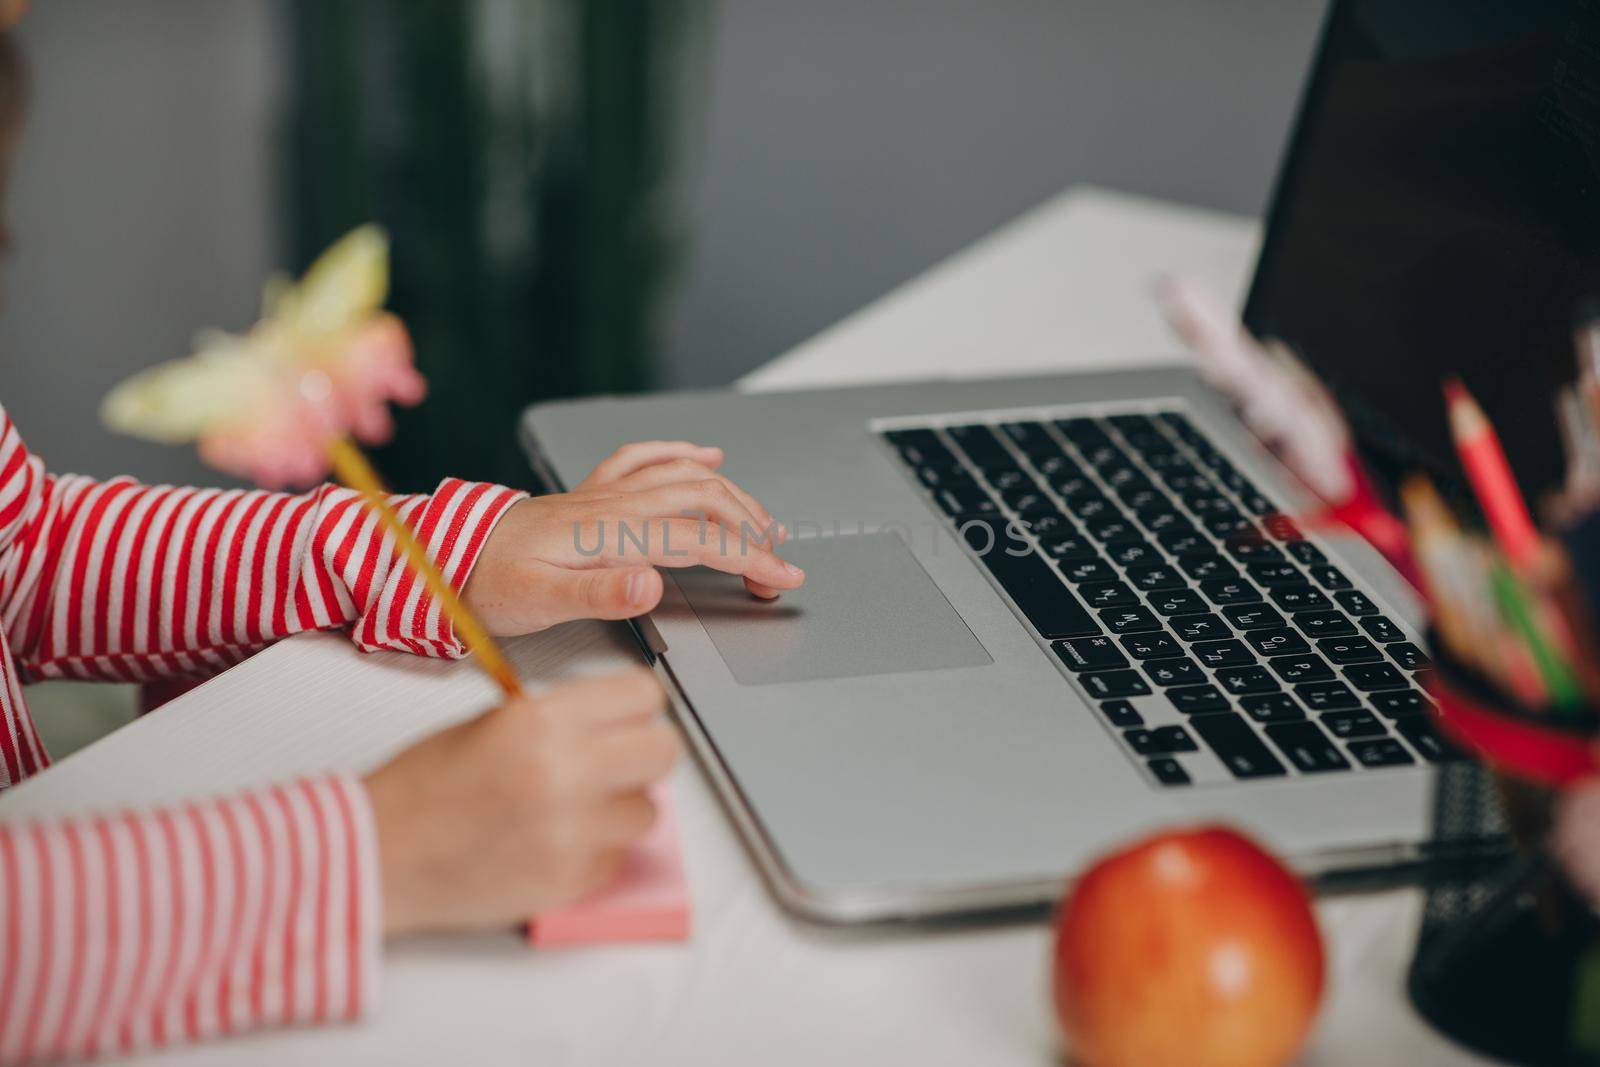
(593, 553)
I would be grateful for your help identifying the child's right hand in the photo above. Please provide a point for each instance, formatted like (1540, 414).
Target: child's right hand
(523, 809)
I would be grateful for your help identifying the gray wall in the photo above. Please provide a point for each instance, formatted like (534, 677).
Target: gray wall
(140, 207)
(849, 144)
(846, 145)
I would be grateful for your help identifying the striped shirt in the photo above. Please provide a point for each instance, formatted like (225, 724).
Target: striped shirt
(145, 928)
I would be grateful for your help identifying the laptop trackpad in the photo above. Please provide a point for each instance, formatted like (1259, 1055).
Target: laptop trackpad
(867, 607)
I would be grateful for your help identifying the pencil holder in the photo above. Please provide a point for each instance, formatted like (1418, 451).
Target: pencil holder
(1508, 962)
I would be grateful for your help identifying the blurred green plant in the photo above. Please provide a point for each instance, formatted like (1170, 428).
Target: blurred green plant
(520, 153)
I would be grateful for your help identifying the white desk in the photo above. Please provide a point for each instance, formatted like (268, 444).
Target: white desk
(1065, 286)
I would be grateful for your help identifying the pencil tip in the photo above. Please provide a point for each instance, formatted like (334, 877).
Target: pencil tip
(1455, 393)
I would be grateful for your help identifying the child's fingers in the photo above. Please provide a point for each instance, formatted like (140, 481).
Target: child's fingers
(606, 593)
(688, 472)
(630, 458)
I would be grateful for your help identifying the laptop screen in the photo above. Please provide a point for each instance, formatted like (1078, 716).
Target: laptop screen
(1438, 214)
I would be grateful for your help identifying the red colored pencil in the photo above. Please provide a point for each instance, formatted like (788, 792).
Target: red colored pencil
(1485, 463)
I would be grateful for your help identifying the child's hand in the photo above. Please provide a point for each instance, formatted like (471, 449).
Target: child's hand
(521, 810)
(592, 553)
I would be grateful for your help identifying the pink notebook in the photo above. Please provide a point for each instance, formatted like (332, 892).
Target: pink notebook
(648, 902)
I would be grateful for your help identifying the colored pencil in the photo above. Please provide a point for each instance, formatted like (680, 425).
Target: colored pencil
(1489, 473)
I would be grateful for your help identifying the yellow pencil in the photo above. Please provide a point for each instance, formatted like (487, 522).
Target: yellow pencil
(352, 468)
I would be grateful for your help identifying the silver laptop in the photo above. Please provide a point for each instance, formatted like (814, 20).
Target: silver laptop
(1043, 615)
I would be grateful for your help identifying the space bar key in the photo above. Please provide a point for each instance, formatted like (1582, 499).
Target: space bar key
(1031, 582)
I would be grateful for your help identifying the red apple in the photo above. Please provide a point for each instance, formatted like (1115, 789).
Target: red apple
(1192, 948)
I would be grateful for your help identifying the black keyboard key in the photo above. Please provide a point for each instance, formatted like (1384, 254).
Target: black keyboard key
(1161, 741)
(1350, 725)
(1031, 437)
(1206, 502)
(1131, 552)
(1373, 676)
(1251, 549)
(1053, 465)
(1103, 685)
(1089, 504)
(1121, 713)
(1306, 552)
(1155, 578)
(1110, 528)
(1252, 616)
(1103, 457)
(1409, 656)
(1078, 571)
(1181, 476)
(1382, 752)
(1255, 503)
(1327, 696)
(1198, 700)
(1329, 577)
(1007, 478)
(1381, 629)
(1031, 582)
(1124, 477)
(1241, 681)
(1161, 462)
(1027, 500)
(1272, 707)
(1325, 624)
(1299, 598)
(1046, 524)
(922, 448)
(1399, 704)
(1090, 653)
(1070, 481)
(1178, 602)
(1082, 430)
(1182, 543)
(1108, 595)
(1237, 745)
(1204, 568)
(1269, 573)
(1130, 621)
(980, 444)
(1298, 669)
(965, 500)
(1355, 602)
(1160, 519)
(941, 477)
(1218, 654)
(1151, 646)
(1168, 771)
(1230, 591)
(1200, 627)
(1230, 527)
(1342, 650)
(1170, 672)
(1307, 747)
(1426, 739)
(1135, 426)
(1176, 422)
(1069, 547)
(1276, 641)
(1143, 500)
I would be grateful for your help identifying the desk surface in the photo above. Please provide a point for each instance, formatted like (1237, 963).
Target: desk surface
(1063, 287)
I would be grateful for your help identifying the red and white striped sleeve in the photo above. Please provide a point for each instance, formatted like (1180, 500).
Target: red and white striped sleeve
(126, 581)
(152, 928)
(149, 928)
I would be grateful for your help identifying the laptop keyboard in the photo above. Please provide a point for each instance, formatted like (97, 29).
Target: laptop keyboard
(1157, 571)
